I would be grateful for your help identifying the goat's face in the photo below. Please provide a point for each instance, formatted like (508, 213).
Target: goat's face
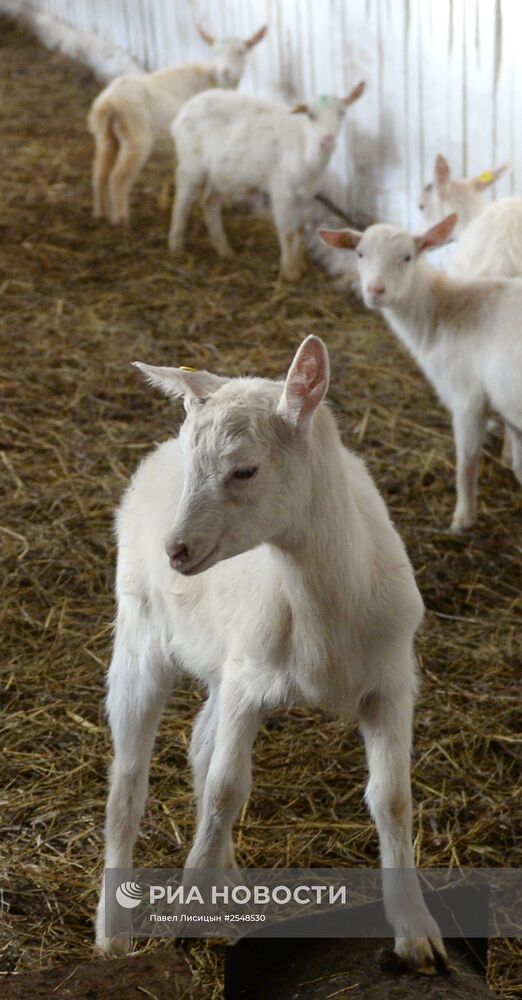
(244, 445)
(229, 58)
(386, 257)
(445, 195)
(237, 487)
(325, 116)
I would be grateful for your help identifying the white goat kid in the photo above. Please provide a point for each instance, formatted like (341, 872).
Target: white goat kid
(308, 596)
(230, 144)
(465, 336)
(131, 118)
(443, 196)
(489, 238)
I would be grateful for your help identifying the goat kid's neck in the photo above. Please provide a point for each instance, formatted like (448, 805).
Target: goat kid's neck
(320, 553)
(414, 318)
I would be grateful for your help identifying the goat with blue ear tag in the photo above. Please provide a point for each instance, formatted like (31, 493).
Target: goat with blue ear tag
(230, 144)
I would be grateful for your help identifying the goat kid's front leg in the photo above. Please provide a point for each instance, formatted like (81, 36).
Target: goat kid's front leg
(469, 425)
(134, 711)
(284, 211)
(386, 725)
(226, 785)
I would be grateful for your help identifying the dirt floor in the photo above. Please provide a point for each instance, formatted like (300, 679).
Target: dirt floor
(78, 302)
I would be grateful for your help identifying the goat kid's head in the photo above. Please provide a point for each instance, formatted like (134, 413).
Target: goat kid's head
(445, 195)
(387, 256)
(326, 115)
(229, 55)
(244, 443)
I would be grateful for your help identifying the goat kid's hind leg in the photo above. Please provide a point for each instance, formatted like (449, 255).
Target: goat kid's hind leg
(137, 693)
(469, 425)
(227, 783)
(201, 750)
(514, 436)
(386, 725)
(132, 156)
(187, 187)
(202, 745)
(211, 206)
(106, 151)
(506, 456)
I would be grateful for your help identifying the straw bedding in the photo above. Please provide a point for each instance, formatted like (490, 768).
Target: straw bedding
(80, 301)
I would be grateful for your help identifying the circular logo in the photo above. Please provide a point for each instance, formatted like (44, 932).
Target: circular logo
(129, 894)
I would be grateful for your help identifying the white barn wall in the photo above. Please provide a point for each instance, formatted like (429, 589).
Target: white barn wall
(442, 75)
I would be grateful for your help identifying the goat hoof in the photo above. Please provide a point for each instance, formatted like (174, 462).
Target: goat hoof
(114, 947)
(460, 524)
(291, 273)
(426, 956)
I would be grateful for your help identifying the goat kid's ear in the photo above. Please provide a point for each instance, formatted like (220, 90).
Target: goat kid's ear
(179, 382)
(355, 94)
(209, 39)
(488, 177)
(348, 239)
(307, 382)
(442, 170)
(437, 235)
(257, 37)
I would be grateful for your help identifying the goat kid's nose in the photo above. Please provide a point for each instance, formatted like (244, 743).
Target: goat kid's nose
(178, 555)
(376, 289)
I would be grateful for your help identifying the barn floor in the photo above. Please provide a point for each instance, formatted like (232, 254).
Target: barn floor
(80, 301)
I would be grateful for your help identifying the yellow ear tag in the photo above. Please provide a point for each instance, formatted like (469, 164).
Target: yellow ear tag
(486, 177)
(185, 368)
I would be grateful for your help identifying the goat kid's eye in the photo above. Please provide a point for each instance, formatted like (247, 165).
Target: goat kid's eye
(247, 473)
(407, 258)
(359, 254)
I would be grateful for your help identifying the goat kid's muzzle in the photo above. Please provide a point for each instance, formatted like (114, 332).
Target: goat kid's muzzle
(189, 561)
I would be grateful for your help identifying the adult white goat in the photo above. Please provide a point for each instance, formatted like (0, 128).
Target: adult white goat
(255, 552)
(465, 335)
(230, 144)
(489, 238)
(131, 117)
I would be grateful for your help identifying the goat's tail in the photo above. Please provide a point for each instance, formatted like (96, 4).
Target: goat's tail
(100, 120)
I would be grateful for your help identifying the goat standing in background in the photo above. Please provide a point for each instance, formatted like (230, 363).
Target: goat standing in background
(489, 237)
(464, 335)
(132, 116)
(228, 145)
(255, 553)
(444, 196)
